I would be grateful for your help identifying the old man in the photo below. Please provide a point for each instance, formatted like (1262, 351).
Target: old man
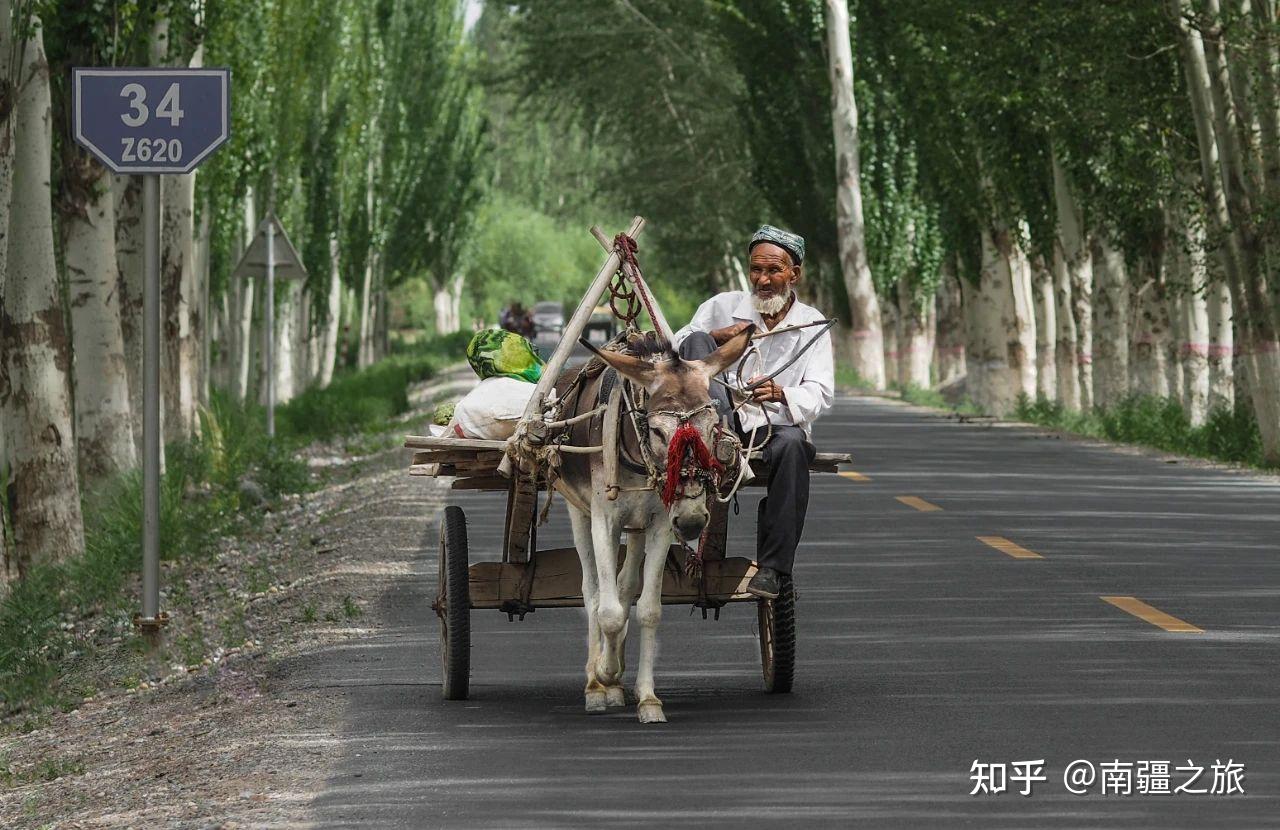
(786, 406)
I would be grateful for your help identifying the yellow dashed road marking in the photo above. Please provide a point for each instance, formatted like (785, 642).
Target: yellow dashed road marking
(918, 503)
(1155, 616)
(1009, 548)
(852, 476)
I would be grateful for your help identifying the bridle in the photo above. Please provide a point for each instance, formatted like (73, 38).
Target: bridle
(688, 460)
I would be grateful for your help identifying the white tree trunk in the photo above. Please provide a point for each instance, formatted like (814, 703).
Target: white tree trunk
(889, 338)
(1148, 352)
(1174, 302)
(333, 322)
(1068, 380)
(202, 316)
(1023, 322)
(315, 339)
(1192, 318)
(999, 316)
(43, 490)
(455, 302)
(177, 282)
(6, 191)
(285, 337)
(1195, 357)
(864, 307)
(245, 339)
(177, 285)
(365, 349)
(1111, 324)
(1078, 254)
(440, 302)
(1046, 330)
(1256, 336)
(951, 325)
(129, 260)
(914, 348)
(104, 427)
(1221, 346)
(447, 302)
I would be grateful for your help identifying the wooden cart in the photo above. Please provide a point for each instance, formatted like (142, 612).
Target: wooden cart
(525, 578)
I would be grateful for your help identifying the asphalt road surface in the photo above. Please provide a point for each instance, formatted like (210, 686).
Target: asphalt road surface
(922, 649)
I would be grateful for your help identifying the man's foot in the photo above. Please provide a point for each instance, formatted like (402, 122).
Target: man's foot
(767, 583)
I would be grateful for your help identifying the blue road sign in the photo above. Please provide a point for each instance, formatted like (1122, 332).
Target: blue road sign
(151, 120)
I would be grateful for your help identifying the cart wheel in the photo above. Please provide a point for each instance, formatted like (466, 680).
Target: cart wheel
(778, 638)
(453, 605)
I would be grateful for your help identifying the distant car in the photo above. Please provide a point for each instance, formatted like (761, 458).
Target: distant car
(601, 327)
(548, 317)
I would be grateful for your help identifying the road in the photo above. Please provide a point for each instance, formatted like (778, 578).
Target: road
(922, 650)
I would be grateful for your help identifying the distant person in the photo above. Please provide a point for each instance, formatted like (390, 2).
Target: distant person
(517, 318)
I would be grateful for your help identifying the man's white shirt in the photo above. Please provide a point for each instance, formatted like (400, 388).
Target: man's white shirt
(808, 384)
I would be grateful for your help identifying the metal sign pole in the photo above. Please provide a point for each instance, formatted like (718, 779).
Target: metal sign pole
(149, 121)
(151, 621)
(269, 311)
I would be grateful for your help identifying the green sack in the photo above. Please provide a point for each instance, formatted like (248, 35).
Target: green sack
(500, 353)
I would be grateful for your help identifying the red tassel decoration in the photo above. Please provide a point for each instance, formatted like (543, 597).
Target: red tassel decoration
(686, 440)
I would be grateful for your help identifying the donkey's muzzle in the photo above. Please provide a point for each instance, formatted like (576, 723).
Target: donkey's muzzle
(690, 527)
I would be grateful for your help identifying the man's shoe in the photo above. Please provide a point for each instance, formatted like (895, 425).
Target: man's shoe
(767, 583)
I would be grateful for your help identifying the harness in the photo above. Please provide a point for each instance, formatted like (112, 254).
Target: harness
(688, 457)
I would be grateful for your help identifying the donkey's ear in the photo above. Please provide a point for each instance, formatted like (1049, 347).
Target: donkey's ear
(728, 354)
(633, 368)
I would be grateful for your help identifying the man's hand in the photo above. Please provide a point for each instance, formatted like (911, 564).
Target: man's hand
(769, 392)
(724, 335)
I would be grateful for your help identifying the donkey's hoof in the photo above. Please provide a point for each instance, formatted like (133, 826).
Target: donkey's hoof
(615, 696)
(596, 702)
(651, 712)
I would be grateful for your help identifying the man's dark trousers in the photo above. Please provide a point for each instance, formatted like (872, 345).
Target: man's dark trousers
(786, 458)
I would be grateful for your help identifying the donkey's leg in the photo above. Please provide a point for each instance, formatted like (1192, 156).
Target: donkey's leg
(649, 614)
(594, 695)
(610, 613)
(628, 587)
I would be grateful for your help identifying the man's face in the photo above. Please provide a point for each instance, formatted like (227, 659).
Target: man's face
(772, 273)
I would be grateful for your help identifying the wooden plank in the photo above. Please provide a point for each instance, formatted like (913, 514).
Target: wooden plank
(431, 442)
(457, 457)
(522, 505)
(557, 581)
(833, 458)
(497, 483)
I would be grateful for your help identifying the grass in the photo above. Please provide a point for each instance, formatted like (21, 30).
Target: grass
(1228, 434)
(365, 400)
(202, 497)
(200, 501)
(848, 378)
(933, 398)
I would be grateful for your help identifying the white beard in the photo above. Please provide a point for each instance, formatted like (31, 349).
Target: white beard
(771, 306)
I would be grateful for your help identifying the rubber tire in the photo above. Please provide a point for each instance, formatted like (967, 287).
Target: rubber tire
(455, 595)
(778, 629)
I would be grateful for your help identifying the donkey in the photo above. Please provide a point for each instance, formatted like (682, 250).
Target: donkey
(682, 421)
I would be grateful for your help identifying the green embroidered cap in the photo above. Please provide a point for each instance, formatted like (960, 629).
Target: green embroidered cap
(792, 243)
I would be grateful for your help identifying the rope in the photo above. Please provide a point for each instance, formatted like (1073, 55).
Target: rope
(635, 295)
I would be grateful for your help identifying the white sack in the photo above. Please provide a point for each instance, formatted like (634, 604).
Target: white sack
(492, 409)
